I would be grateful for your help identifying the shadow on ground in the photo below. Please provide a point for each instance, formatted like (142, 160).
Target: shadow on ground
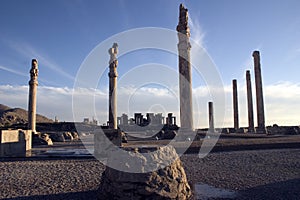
(280, 190)
(70, 196)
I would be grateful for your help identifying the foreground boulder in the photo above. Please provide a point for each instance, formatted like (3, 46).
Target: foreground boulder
(164, 183)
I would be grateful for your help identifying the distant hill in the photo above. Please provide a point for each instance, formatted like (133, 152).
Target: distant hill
(10, 116)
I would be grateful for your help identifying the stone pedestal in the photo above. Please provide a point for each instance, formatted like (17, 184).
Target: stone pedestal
(169, 182)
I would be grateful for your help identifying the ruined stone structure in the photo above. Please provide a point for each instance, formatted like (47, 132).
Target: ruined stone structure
(235, 104)
(112, 104)
(151, 119)
(123, 120)
(185, 74)
(211, 117)
(15, 142)
(171, 120)
(259, 94)
(138, 118)
(250, 103)
(33, 83)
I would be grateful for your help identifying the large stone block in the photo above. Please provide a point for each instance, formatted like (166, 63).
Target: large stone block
(15, 142)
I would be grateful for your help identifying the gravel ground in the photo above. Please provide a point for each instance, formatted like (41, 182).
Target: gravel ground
(260, 174)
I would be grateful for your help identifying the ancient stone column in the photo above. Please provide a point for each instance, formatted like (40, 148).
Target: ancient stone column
(185, 74)
(33, 83)
(211, 117)
(250, 103)
(259, 94)
(112, 102)
(235, 105)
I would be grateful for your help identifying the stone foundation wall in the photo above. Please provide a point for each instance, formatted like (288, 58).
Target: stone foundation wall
(15, 142)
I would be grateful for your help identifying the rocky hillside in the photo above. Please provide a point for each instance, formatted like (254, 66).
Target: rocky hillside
(10, 116)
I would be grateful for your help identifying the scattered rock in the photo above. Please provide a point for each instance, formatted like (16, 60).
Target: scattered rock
(75, 135)
(283, 130)
(68, 136)
(225, 130)
(41, 139)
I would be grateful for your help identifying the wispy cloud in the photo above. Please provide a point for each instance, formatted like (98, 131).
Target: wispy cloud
(13, 71)
(30, 52)
(197, 33)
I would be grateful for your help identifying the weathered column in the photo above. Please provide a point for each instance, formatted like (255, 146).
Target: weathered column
(113, 63)
(235, 105)
(185, 74)
(33, 83)
(259, 94)
(250, 103)
(211, 117)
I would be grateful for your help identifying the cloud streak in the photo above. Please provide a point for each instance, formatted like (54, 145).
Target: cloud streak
(30, 52)
(13, 71)
(196, 31)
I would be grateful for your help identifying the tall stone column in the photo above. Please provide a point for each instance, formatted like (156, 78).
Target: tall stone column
(211, 117)
(33, 83)
(185, 74)
(112, 102)
(259, 94)
(235, 105)
(250, 103)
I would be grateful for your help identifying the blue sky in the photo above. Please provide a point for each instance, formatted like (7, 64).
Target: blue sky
(61, 34)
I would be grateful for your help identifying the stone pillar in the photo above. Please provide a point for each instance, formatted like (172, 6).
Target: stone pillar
(259, 94)
(185, 74)
(250, 103)
(113, 63)
(33, 83)
(235, 105)
(211, 117)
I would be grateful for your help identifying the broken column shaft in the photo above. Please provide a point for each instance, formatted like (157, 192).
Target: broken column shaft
(185, 73)
(250, 103)
(211, 117)
(113, 63)
(33, 83)
(235, 104)
(259, 94)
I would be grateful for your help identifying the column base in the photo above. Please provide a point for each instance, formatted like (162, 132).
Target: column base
(261, 130)
(251, 130)
(185, 134)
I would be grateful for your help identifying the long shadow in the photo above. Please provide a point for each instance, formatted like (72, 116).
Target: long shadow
(280, 190)
(46, 158)
(87, 195)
